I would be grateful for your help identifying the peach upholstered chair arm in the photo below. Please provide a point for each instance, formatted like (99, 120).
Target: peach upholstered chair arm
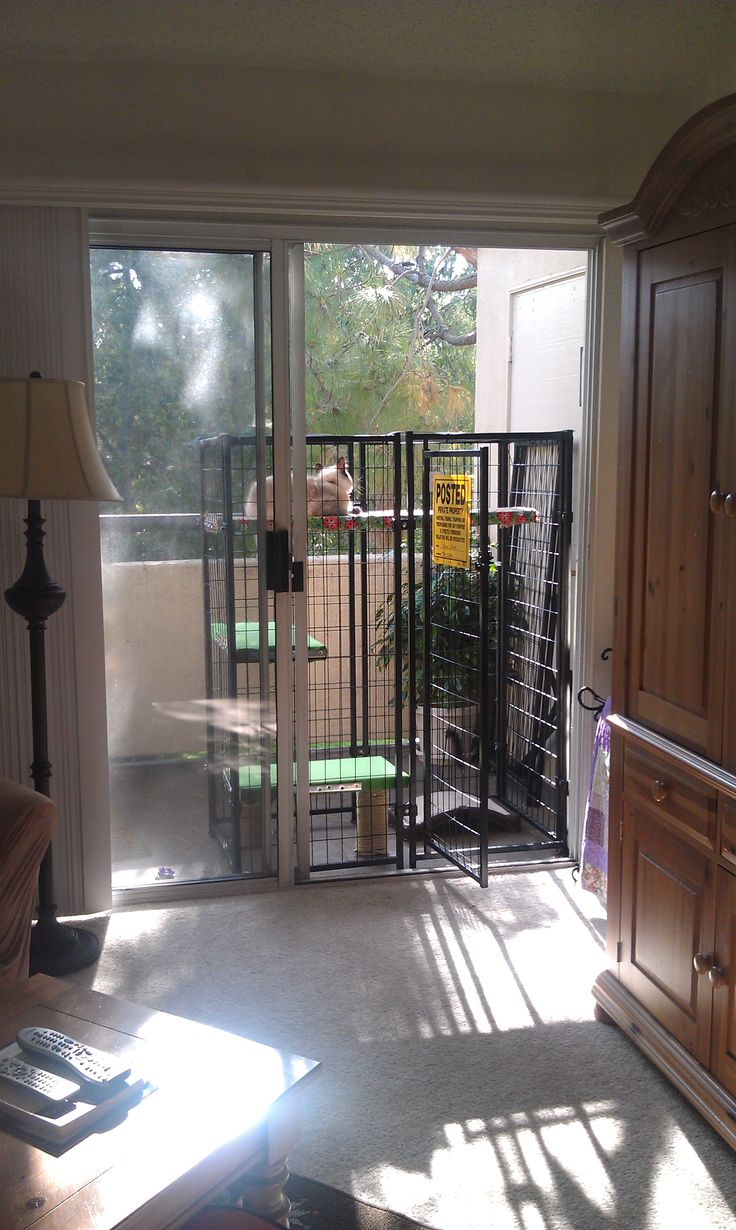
(27, 820)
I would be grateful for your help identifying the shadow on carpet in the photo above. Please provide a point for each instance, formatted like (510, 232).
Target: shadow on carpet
(314, 1206)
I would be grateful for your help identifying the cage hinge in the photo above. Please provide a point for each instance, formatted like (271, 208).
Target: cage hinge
(619, 952)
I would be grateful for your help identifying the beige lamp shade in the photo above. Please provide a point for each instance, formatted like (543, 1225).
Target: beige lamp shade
(47, 446)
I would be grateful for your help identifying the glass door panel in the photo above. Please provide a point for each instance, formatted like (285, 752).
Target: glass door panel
(183, 388)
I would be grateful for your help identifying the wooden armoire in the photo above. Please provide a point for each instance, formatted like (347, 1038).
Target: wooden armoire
(672, 854)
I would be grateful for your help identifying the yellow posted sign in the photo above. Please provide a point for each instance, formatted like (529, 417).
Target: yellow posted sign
(452, 496)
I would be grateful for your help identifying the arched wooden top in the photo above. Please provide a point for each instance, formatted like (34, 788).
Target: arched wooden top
(707, 137)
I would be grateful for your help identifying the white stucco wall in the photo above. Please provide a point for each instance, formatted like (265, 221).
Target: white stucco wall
(154, 654)
(500, 271)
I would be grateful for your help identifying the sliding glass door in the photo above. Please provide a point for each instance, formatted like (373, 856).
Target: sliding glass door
(193, 392)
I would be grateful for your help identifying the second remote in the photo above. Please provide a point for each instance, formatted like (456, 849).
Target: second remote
(86, 1062)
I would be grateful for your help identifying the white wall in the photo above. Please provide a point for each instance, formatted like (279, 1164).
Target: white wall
(715, 81)
(44, 297)
(142, 123)
(599, 560)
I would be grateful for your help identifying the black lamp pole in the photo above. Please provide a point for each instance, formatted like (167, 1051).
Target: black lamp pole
(55, 947)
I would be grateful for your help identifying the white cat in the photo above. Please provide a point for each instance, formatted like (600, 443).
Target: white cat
(329, 491)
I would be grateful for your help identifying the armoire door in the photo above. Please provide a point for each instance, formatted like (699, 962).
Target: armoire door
(667, 917)
(723, 980)
(682, 455)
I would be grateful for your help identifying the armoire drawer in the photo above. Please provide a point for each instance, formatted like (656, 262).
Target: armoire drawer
(685, 802)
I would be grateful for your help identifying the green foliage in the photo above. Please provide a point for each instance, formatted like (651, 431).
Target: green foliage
(453, 615)
(373, 364)
(173, 348)
(173, 337)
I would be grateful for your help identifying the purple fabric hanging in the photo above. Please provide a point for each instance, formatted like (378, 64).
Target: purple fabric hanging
(594, 858)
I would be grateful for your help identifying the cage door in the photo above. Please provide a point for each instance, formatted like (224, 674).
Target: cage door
(454, 637)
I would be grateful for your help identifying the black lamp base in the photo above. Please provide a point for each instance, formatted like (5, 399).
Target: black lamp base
(58, 949)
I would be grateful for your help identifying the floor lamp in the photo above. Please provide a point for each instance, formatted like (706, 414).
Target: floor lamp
(48, 453)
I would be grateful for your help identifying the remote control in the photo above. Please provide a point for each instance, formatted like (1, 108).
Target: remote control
(54, 1088)
(88, 1064)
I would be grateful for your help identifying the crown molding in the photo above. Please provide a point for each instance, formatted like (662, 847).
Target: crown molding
(298, 209)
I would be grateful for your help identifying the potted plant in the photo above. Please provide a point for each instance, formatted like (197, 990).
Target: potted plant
(452, 614)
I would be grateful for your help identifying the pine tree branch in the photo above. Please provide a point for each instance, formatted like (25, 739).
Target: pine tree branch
(412, 273)
(442, 333)
(413, 345)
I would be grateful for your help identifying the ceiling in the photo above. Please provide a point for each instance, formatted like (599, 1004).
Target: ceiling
(618, 46)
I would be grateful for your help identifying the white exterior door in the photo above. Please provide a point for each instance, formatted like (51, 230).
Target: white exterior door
(546, 372)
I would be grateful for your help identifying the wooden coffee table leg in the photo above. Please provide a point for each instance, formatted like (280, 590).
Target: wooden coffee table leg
(261, 1187)
(261, 1190)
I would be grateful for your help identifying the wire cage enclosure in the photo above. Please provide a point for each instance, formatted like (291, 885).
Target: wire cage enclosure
(241, 748)
(355, 736)
(356, 751)
(435, 727)
(493, 643)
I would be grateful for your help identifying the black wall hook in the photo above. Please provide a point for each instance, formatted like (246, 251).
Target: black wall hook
(585, 695)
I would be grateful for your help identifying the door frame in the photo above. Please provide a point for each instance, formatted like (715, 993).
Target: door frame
(599, 386)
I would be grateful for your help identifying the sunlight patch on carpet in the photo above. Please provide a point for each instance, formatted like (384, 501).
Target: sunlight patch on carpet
(530, 1161)
(575, 1158)
(481, 992)
(127, 926)
(679, 1179)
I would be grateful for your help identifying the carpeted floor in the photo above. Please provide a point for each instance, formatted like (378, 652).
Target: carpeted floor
(465, 1081)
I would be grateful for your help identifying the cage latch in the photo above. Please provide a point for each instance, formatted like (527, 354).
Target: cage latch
(297, 576)
(278, 561)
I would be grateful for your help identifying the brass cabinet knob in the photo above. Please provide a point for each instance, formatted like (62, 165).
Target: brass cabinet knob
(660, 790)
(702, 963)
(717, 977)
(716, 501)
(729, 505)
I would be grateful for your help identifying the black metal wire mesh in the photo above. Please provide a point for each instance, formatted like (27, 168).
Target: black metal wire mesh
(240, 720)
(492, 676)
(524, 718)
(219, 658)
(536, 657)
(354, 726)
(458, 641)
(352, 711)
